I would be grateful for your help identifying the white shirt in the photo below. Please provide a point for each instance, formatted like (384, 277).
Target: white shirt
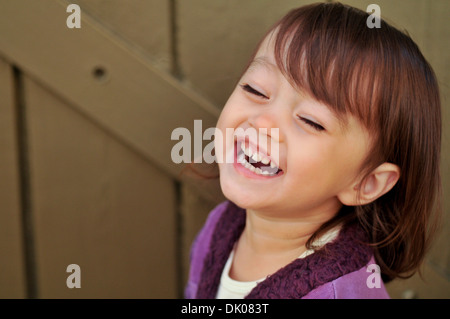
(233, 289)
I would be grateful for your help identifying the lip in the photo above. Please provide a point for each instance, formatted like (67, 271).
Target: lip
(247, 173)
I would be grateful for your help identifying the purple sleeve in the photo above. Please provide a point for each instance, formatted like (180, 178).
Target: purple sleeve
(355, 285)
(200, 248)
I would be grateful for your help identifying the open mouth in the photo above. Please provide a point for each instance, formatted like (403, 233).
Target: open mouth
(255, 161)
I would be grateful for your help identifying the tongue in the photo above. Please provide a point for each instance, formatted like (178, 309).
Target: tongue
(257, 165)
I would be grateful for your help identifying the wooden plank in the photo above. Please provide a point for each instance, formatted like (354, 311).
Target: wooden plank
(133, 100)
(12, 268)
(142, 23)
(97, 204)
(436, 49)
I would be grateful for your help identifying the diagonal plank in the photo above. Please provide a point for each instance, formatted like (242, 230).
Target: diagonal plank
(136, 102)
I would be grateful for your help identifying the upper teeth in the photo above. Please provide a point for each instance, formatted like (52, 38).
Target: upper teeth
(254, 157)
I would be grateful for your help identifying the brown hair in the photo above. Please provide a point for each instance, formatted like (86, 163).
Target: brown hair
(379, 76)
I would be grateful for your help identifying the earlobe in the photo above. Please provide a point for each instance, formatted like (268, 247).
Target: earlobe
(380, 181)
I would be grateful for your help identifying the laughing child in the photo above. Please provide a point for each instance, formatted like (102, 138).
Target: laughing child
(348, 193)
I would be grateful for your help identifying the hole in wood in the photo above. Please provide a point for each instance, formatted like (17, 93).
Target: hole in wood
(100, 73)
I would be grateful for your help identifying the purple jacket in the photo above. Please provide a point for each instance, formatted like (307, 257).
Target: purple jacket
(339, 270)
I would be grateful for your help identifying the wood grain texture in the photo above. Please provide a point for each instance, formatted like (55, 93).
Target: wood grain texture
(98, 204)
(134, 100)
(144, 24)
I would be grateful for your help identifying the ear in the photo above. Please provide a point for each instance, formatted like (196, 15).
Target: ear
(376, 184)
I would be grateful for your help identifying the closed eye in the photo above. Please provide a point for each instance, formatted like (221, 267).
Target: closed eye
(314, 125)
(251, 90)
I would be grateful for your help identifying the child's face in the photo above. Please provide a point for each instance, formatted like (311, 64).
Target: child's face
(318, 158)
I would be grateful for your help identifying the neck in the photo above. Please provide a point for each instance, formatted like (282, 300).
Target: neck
(271, 241)
(268, 235)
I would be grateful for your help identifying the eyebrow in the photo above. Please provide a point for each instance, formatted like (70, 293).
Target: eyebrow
(262, 61)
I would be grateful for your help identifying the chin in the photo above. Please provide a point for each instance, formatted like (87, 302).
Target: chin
(234, 194)
(240, 198)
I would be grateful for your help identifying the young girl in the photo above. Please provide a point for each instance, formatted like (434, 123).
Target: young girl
(349, 190)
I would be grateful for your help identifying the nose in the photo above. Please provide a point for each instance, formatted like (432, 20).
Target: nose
(270, 122)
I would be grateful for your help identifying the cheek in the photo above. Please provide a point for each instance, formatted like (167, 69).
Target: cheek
(323, 167)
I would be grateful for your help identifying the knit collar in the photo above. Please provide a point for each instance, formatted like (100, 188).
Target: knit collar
(347, 253)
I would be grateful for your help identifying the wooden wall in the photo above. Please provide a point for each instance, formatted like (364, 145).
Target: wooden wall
(85, 122)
